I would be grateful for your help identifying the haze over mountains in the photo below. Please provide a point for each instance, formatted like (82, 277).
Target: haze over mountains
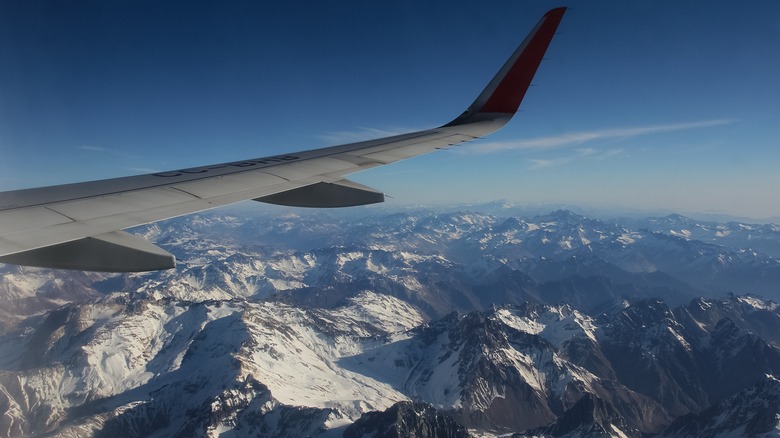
(442, 323)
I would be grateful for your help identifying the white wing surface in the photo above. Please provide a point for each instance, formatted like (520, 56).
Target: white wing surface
(78, 226)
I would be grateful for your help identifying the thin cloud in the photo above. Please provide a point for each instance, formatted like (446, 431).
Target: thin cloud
(576, 138)
(580, 153)
(93, 148)
(106, 151)
(612, 153)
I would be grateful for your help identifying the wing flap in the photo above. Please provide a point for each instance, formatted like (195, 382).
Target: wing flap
(317, 166)
(227, 184)
(119, 203)
(31, 218)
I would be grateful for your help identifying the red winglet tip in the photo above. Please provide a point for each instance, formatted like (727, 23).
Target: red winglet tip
(509, 93)
(555, 12)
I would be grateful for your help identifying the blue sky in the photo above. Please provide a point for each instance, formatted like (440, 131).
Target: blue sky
(654, 105)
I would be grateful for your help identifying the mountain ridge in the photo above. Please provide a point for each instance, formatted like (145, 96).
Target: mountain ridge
(304, 324)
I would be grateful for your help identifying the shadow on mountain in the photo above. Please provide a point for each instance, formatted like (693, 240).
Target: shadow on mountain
(166, 402)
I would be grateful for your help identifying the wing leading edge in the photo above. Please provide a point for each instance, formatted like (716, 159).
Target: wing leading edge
(77, 226)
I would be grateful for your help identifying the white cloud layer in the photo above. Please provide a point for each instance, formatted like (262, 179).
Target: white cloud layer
(577, 138)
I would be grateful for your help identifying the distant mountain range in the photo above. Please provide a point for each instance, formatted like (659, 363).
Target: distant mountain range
(421, 322)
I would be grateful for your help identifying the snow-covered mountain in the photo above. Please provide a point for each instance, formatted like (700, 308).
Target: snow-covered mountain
(172, 367)
(309, 325)
(484, 368)
(762, 238)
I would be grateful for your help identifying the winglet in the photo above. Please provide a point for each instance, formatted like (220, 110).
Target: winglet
(505, 92)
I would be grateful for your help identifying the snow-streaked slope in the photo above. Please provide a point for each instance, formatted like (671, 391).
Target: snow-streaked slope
(295, 352)
(126, 363)
(483, 367)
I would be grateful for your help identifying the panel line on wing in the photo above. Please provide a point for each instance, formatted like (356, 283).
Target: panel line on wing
(184, 191)
(60, 213)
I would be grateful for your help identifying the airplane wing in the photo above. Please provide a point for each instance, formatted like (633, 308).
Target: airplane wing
(78, 226)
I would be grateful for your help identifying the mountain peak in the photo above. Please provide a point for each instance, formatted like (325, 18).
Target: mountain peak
(589, 417)
(566, 216)
(406, 419)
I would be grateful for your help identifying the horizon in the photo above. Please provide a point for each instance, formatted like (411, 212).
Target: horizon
(514, 209)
